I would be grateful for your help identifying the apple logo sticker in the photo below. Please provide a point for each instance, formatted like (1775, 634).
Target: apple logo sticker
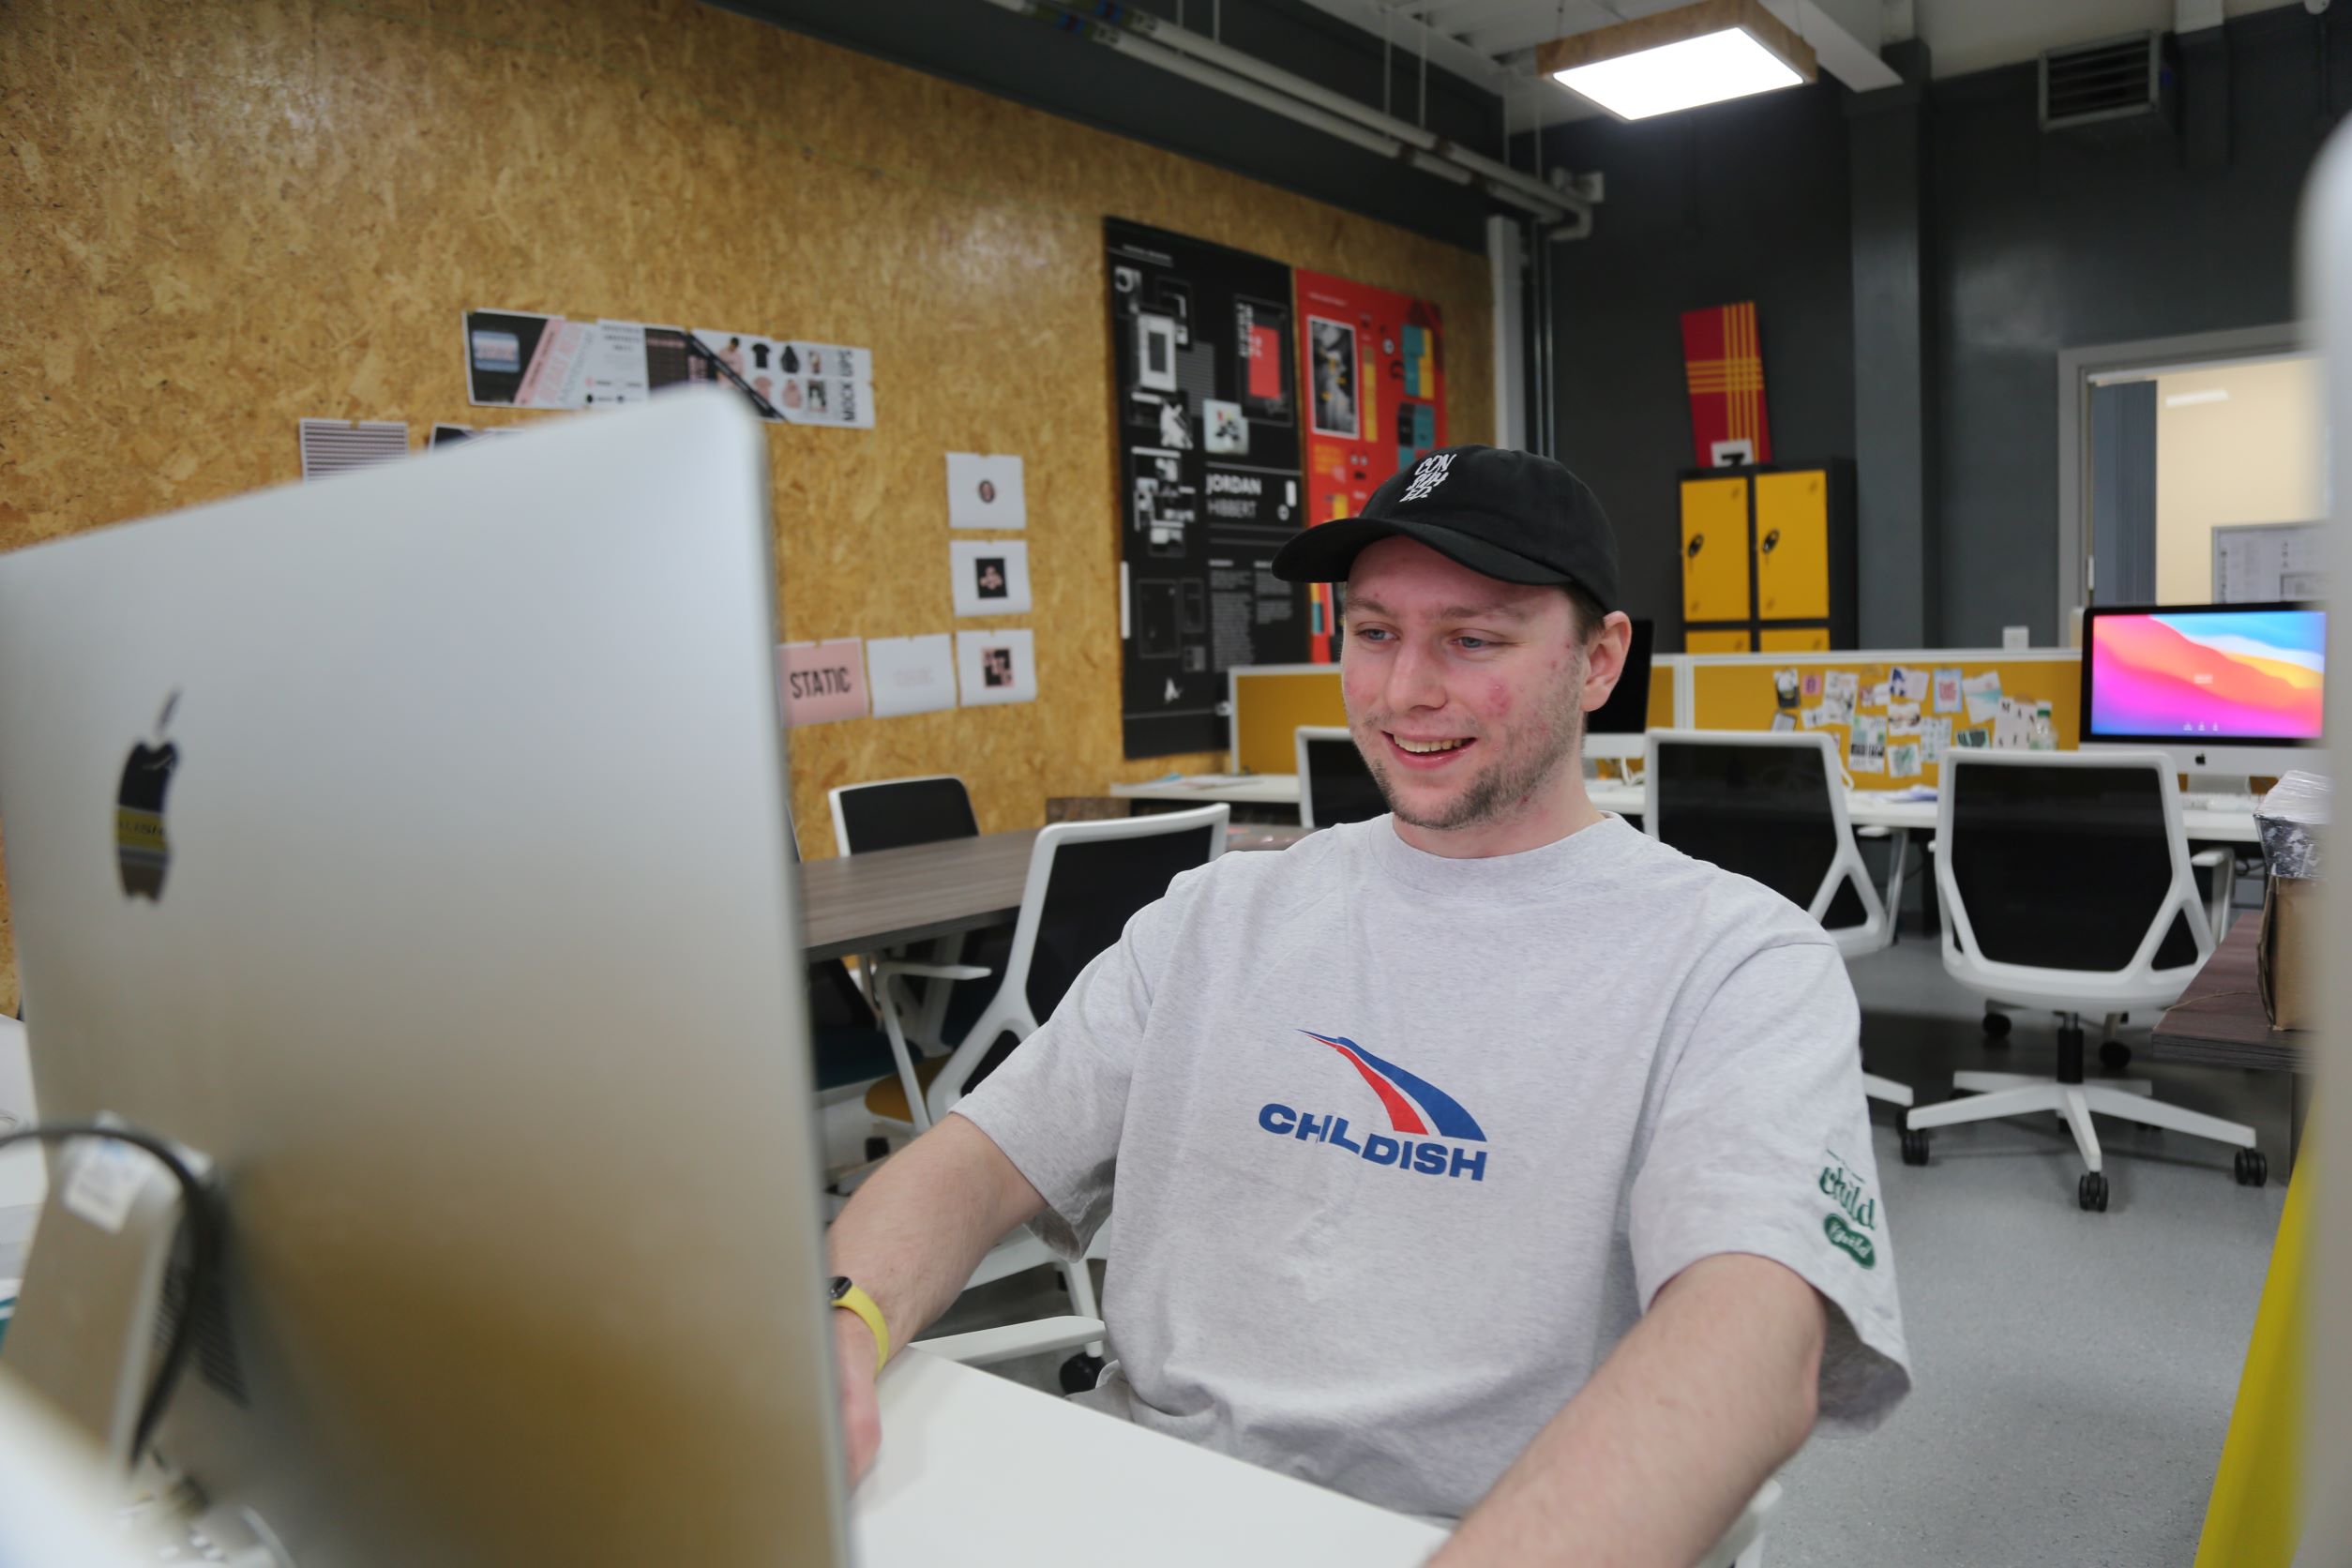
(142, 848)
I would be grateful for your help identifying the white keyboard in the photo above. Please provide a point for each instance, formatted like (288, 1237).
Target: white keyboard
(2219, 803)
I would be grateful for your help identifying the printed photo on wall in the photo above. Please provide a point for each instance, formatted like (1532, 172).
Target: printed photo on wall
(1229, 428)
(1332, 363)
(986, 491)
(996, 667)
(991, 576)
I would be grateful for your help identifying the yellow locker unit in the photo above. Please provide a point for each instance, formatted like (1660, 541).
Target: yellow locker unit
(1768, 560)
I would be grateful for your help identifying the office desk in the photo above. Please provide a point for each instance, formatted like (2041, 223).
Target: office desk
(2219, 1020)
(887, 899)
(1867, 807)
(975, 1470)
(863, 903)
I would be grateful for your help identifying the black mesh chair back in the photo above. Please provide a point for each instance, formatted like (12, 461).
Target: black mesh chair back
(894, 813)
(1335, 785)
(2064, 866)
(1094, 888)
(1758, 808)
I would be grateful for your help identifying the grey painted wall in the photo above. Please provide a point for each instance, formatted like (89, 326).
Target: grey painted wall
(2047, 243)
(1745, 201)
(2032, 244)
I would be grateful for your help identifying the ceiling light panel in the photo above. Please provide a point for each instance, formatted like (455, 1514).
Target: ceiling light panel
(1679, 59)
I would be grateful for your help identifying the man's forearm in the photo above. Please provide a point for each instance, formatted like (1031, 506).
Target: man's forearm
(913, 1232)
(1650, 1462)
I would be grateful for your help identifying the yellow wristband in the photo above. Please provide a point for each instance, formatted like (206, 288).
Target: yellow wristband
(851, 1299)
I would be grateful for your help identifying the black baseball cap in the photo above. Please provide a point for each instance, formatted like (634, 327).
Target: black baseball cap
(1512, 516)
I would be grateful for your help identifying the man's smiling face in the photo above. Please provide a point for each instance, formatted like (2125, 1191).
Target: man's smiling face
(1465, 694)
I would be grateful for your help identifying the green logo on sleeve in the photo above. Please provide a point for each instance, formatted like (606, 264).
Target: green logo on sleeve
(1848, 1231)
(1849, 1241)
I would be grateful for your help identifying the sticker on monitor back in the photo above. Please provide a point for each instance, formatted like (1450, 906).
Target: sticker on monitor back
(106, 1182)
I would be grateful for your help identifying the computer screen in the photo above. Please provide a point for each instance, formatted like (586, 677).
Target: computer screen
(2217, 675)
(1627, 711)
(449, 911)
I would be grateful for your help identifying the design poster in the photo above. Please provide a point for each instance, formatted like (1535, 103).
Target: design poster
(1374, 373)
(1204, 349)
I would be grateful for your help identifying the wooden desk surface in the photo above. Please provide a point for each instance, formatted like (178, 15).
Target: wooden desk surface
(863, 903)
(2219, 1019)
(860, 903)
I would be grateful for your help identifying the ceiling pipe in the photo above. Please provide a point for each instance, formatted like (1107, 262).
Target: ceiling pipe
(1145, 24)
(1139, 35)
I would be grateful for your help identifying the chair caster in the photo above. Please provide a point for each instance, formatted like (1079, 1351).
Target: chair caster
(1997, 1026)
(2093, 1192)
(877, 1148)
(2253, 1169)
(2113, 1055)
(1914, 1145)
(1079, 1373)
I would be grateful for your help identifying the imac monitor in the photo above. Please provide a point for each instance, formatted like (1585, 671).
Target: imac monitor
(2228, 689)
(1618, 727)
(413, 844)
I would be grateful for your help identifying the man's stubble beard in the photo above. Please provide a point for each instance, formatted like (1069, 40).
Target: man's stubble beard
(1498, 790)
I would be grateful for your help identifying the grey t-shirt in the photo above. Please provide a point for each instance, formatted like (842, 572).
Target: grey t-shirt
(1401, 1145)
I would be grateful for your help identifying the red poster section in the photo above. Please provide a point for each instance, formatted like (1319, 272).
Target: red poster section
(1372, 373)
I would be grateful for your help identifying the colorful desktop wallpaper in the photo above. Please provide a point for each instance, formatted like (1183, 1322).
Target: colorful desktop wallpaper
(2250, 675)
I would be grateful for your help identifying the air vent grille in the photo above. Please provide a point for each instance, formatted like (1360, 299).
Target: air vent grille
(2107, 81)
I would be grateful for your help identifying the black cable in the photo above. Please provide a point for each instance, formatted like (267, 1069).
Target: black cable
(204, 1257)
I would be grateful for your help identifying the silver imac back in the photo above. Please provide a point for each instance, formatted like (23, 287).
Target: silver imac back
(414, 845)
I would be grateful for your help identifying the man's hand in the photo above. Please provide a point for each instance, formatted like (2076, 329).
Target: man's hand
(910, 1238)
(861, 1414)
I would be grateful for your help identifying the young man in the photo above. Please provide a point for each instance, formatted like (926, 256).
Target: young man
(1488, 1160)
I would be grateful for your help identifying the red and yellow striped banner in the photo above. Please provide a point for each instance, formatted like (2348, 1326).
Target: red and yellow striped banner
(1725, 370)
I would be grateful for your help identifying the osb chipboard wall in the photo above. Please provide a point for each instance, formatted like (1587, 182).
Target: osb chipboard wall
(218, 220)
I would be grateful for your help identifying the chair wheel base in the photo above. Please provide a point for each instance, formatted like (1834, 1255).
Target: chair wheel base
(2113, 1055)
(1914, 1147)
(1081, 1372)
(2253, 1169)
(2092, 1193)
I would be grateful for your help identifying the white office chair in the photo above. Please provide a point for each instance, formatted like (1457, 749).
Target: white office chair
(1086, 881)
(1772, 805)
(2067, 886)
(1335, 786)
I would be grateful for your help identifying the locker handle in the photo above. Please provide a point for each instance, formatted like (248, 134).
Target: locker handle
(1691, 552)
(1770, 540)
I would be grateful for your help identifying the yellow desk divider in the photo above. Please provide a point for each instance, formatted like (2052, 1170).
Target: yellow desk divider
(2254, 1516)
(1271, 701)
(1743, 691)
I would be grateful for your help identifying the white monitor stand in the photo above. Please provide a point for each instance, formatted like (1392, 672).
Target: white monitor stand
(2224, 769)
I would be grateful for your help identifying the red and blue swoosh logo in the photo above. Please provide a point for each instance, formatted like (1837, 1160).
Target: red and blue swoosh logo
(1414, 1105)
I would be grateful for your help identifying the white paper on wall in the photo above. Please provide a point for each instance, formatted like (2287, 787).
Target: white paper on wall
(991, 576)
(911, 675)
(997, 667)
(986, 491)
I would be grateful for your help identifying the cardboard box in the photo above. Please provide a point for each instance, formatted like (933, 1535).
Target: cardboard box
(2288, 952)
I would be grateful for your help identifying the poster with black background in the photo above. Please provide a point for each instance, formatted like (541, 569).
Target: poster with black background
(1203, 349)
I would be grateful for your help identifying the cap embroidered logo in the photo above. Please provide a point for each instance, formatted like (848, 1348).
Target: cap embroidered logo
(1429, 476)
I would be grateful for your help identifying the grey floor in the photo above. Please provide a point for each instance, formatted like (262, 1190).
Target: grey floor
(2074, 1371)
